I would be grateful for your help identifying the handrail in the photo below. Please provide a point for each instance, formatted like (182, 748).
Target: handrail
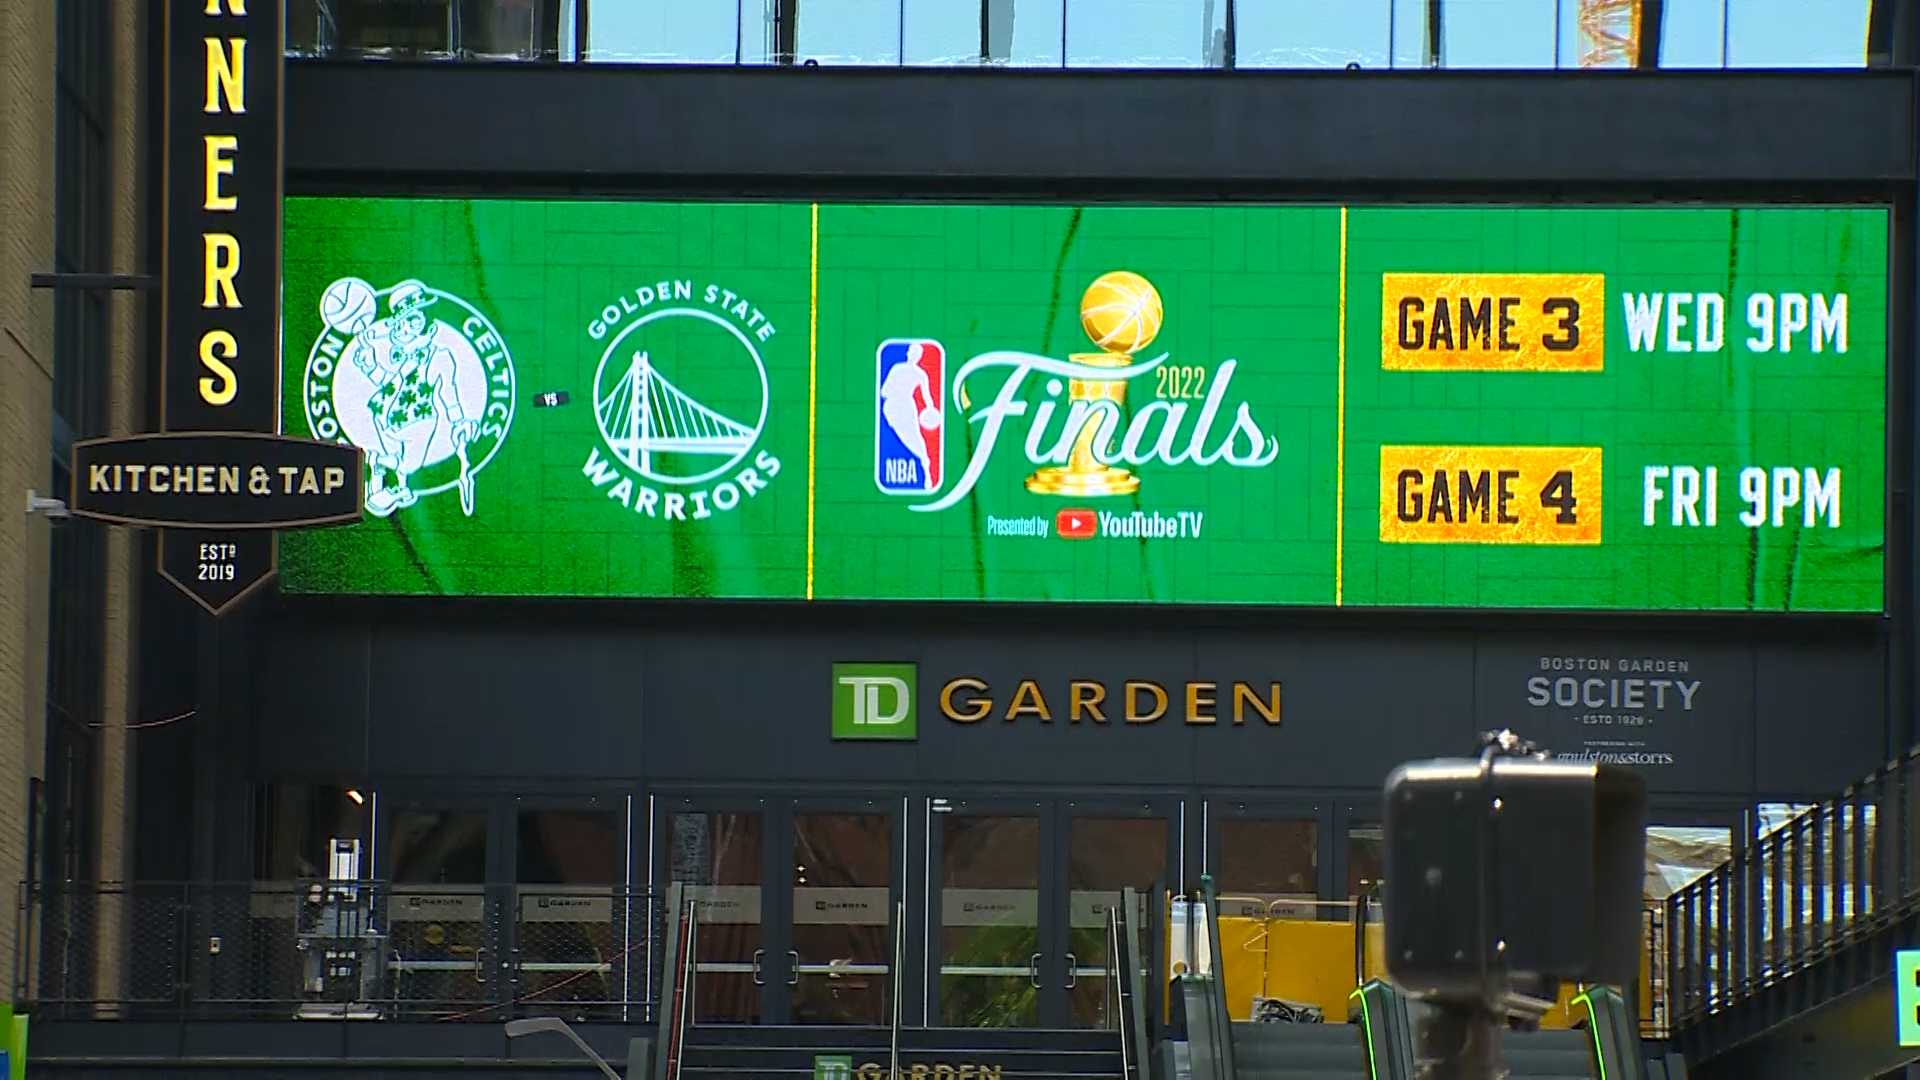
(1223, 1018)
(1115, 961)
(1134, 984)
(687, 974)
(667, 1020)
(1829, 876)
(899, 958)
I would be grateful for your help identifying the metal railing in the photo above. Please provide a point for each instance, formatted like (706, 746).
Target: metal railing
(1834, 874)
(336, 950)
(894, 978)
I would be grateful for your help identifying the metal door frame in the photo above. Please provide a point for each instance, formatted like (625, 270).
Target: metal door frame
(777, 813)
(1055, 814)
(1347, 813)
(1167, 809)
(894, 808)
(1320, 811)
(662, 804)
(1047, 877)
(496, 870)
(635, 946)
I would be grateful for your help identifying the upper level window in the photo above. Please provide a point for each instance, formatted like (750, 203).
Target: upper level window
(1313, 34)
(848, 31)
(676, 32)
(1372, 34)
(1146, 33)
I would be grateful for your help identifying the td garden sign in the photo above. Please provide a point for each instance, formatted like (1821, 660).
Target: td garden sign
(881, 701)
(1447, 407)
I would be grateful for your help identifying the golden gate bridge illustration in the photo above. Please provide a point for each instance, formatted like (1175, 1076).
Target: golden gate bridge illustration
(643, 414)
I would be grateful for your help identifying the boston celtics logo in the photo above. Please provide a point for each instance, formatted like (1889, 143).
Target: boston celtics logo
(418, 379)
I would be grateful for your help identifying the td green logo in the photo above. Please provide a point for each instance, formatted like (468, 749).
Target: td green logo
(833, 1067)
(875, 701)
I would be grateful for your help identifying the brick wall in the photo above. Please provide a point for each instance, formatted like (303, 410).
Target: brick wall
(26, 389)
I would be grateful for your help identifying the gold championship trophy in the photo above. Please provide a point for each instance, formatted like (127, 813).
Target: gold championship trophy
(1121, 312)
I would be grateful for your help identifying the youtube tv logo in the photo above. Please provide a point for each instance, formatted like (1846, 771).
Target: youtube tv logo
(1076, 524)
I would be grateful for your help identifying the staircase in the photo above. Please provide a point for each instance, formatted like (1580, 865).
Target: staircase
(859, 1053)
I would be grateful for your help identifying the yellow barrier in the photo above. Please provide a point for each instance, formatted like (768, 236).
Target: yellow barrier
(1310, 961)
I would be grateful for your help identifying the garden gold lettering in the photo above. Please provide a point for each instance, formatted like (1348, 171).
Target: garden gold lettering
(1141, 702)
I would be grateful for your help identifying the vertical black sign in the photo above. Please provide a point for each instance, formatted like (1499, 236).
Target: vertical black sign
(221, 262)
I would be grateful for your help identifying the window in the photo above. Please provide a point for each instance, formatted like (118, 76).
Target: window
(298, 824)
(1499, 34)
(676, 32)
(1146, 33)
(848, 31)
(1796, 33)
(1315, 34)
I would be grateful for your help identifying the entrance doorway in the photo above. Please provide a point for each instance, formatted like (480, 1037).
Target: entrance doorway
(796, 900)
(494, 898)
(1016, 903)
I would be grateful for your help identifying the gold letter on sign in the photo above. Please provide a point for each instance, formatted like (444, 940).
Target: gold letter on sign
(216, 346)
(1267, 708)
(1134, 690)
(234, 7)
(219, 164)
(979, 707)
(222, 263)
(226, 75)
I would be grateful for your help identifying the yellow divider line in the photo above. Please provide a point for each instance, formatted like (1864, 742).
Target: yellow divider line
(813, 371)
(1340, 462)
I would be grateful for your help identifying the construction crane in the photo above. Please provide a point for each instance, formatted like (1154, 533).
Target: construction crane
(1609, 32)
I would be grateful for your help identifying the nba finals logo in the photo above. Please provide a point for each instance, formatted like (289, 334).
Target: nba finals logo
(417, 378)
(1078, 435)
(680, 398)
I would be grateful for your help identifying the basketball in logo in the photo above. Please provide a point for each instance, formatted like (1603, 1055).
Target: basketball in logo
(1121, 311)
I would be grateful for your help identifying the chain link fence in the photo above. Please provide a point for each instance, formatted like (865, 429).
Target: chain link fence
(337, 950)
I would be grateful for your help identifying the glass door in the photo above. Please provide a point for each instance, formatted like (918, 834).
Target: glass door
(1019, 896)
(844, 862)
(724, 852)
(1266, 857)
(578, 947)
(439, 854)
(1361, 852)
(988, 868)
(1105, 847)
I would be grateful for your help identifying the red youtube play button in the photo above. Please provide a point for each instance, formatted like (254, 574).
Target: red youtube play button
(1076, 524)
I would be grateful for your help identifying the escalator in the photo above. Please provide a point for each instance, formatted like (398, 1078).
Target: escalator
(1206, 1044)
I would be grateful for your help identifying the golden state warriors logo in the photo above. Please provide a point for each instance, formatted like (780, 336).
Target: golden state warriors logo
(418, 379)
(681, 401)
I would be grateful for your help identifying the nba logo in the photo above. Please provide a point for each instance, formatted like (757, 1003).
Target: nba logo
(910, 430)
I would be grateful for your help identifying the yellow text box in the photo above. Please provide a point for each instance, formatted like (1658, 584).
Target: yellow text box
(1490, 494)
(1493, 322)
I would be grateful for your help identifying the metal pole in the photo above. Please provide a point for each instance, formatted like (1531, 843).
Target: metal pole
(1457, 1043)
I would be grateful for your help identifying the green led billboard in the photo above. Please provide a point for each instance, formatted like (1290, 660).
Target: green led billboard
(1629, 409)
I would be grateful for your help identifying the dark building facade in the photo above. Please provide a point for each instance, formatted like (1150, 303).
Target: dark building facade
(528, 775)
